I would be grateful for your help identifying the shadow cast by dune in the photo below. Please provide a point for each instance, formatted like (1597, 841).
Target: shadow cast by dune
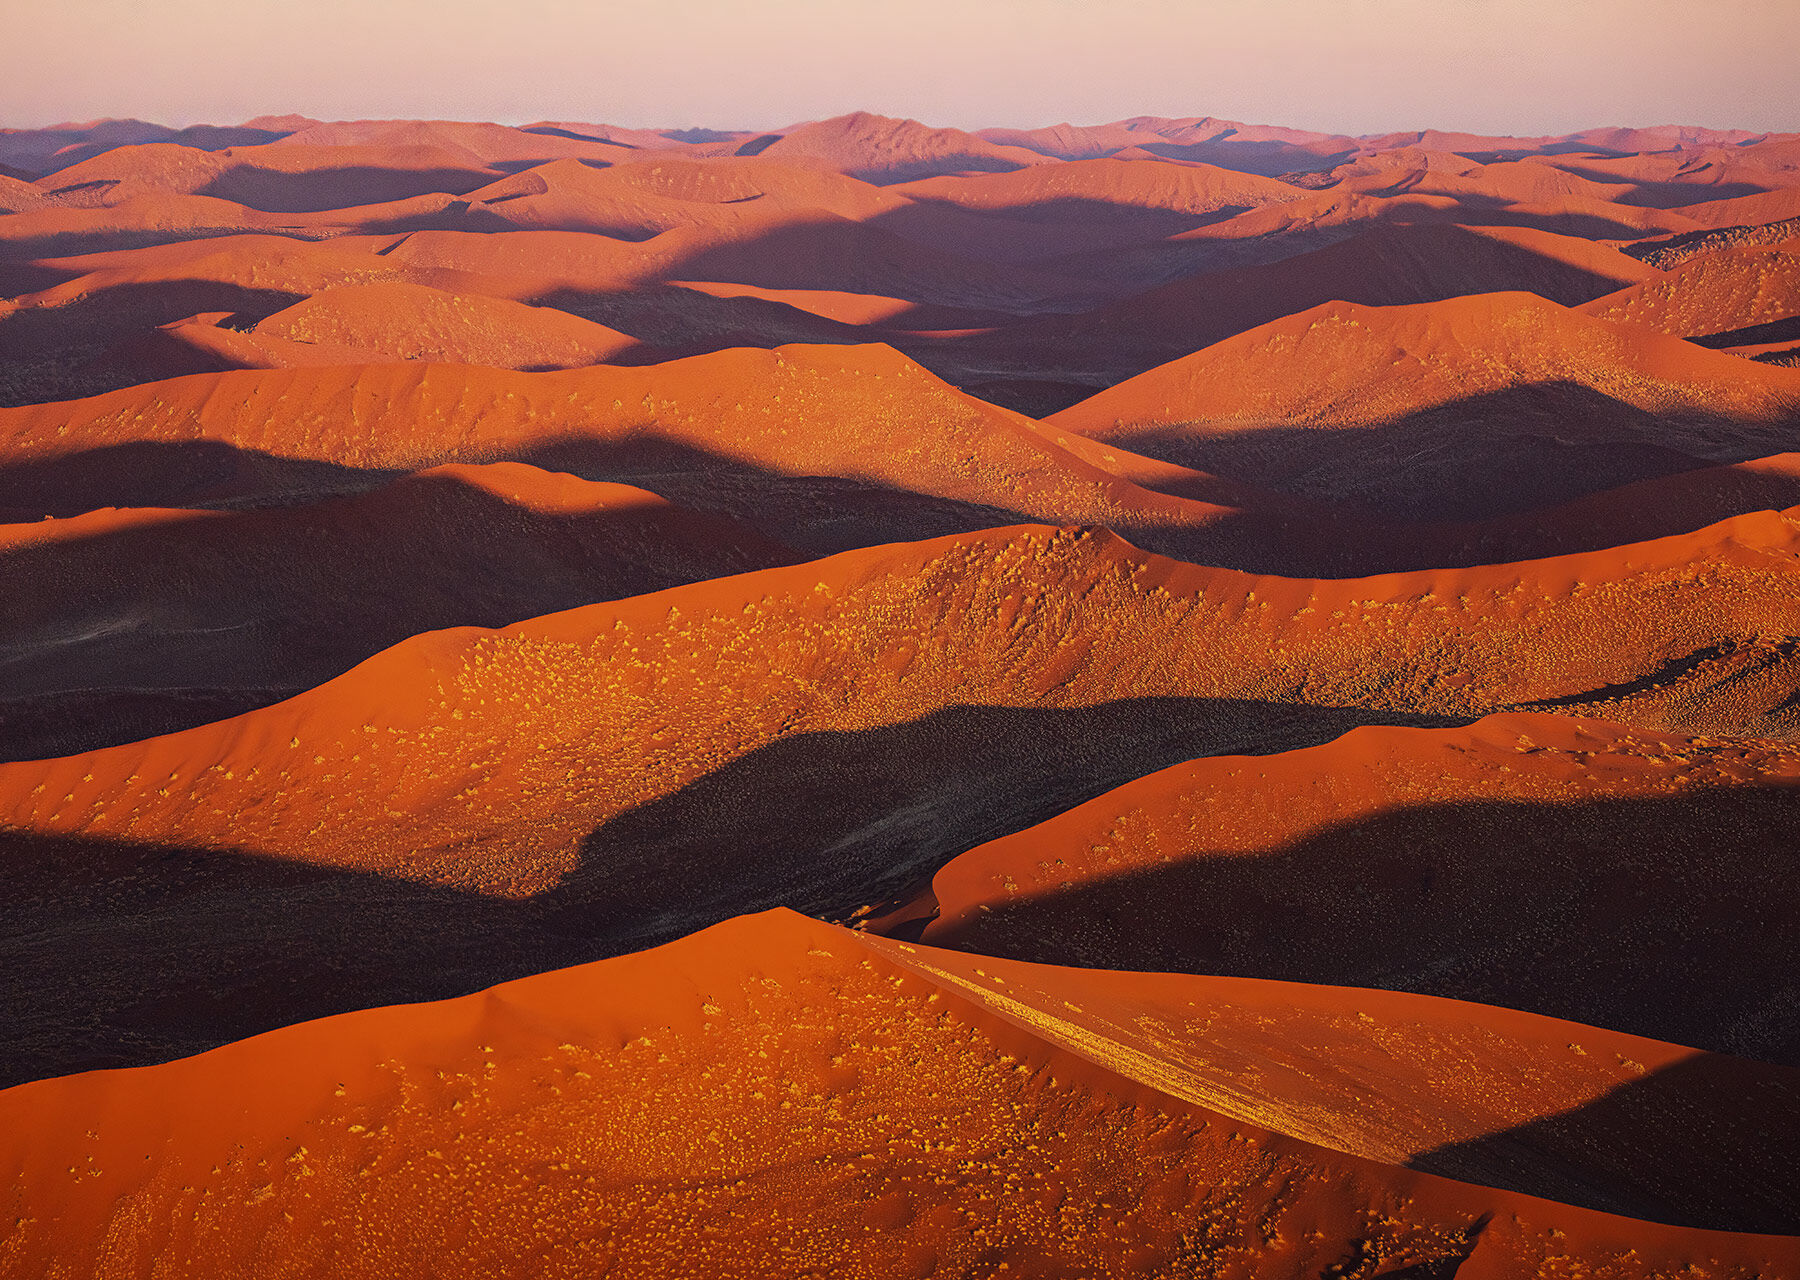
(1122, 218)
(756, 146)
(57, 353)
(1268, 159)
(552, 131)
(927, 265)
(1650, 194)
(822, 515)
(123, 954)
(1727, 1130)
(1497, 454)
(1787, 329)
(1663, 917)
(818, 514)
(1667, 252)
(73, 243)
(120, 953)
(126, 634)
(322, 190)
(826, 822)
(188, 473)
(676, 321)
(1207, 292)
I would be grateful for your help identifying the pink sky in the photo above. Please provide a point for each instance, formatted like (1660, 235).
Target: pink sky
(1357, 66)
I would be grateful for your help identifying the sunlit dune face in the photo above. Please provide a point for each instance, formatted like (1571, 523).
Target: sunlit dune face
(1163, 697)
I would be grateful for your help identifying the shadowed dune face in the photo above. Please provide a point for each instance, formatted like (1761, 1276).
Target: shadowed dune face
(1468, 409)
(796, 442)
(1304, 679)
(127, 624)
(1520, 863)
(202, 944)
(1492, 457)
(827, 735)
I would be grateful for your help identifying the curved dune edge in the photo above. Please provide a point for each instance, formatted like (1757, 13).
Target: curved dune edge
(665, 1105)
(1019, 616)
(128, 623)
(1344, 365)
(1513, 861)
(962, 463)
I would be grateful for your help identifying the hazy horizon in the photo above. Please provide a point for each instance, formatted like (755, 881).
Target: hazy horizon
(1359, 67)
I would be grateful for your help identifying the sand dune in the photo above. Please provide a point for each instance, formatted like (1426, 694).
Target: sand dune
(1082, 1149)
(884, 150)
(1391, 266)
(415, 322)
(637, 201)
(860, 309)
(139, 219)
(1661, 137)
(1270, 150)
(1638, 512)
(17, 196)
(548, 260)
(281, 178)
(823, 251)
(600, 779)
(45, 151)
(1665, 253)
(485, 145)
(1675, 179)
(1460, 394)
(763, 246)
(1342, 588)
(64, 340)
(618, 136)
(262, 261)
(1347, 364)
(1044, 191)
(1318, 219)
(1714, 296)
(1514, 862)
(1749, 210)
(125, 624)
(719, 432)
(1073, 142)
(769, 419)
(205, 343)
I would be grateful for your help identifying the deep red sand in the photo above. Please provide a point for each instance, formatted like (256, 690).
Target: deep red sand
(391, 669)
(776, 1096)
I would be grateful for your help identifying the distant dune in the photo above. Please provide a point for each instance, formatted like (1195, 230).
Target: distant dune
(414, 322)
(1390, 266)
(883, 150)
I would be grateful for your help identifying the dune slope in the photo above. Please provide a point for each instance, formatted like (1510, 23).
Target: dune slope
(823, 736)
(1520, 861)
(795, 1127)
(124, 624)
